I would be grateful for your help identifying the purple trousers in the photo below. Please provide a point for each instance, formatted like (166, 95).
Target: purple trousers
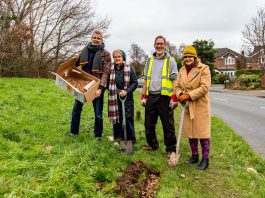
(205, 144)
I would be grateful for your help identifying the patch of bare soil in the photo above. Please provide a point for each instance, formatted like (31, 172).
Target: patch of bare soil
(138, 180)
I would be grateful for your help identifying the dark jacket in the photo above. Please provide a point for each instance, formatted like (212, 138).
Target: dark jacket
(129, 103)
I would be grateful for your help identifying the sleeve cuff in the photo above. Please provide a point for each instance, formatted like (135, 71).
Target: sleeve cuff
(128, 90)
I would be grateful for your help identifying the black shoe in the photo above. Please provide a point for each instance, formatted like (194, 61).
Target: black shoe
(203, 164)
(194, 159)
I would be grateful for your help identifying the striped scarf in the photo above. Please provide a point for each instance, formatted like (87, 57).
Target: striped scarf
(113, 95)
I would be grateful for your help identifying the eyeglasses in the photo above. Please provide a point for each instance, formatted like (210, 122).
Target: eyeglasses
(159, 44)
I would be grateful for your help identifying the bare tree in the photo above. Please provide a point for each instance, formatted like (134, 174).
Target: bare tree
(54, 30)
(138, 58)
(254, 36)
(12, 37)
(172, 49)
(254, 32)
(180, 50)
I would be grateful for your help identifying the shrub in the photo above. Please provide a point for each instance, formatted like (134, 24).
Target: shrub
(249, 81)
(215, 79)
(219, 78)
(248, 71)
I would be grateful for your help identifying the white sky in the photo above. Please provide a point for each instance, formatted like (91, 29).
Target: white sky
(140, 21)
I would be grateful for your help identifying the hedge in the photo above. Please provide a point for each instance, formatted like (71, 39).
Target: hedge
(248, 71)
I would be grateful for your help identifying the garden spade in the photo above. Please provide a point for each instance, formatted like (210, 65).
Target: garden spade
(125, 145)
(175, 158)
(184, 106)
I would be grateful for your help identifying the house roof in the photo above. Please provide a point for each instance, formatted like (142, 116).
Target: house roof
(257, 49)
(223, 51)
(226, 69)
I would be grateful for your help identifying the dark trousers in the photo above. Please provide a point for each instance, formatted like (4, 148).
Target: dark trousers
(76, 114)
(119, 133)
(158, 105)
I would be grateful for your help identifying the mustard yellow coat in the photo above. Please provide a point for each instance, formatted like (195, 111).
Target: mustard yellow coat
(197, 120)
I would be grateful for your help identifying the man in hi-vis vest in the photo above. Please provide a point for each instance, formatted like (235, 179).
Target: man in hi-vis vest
(159, 96)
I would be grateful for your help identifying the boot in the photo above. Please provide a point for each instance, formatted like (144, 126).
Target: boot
(194, 159)
(203, 164)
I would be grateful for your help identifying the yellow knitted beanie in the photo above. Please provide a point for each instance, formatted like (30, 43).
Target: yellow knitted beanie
(189, 51)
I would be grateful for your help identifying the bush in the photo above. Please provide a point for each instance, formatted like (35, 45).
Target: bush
(249, 81)
(219, 78)
(254, 85)
(248, 71)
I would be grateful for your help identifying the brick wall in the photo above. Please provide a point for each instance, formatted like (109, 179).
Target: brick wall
(255, 61)
(220, 62)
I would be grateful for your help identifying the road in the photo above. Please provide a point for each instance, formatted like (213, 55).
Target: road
(244, 114)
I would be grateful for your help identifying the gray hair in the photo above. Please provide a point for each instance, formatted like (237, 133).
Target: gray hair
(98, 32)
(162, 37)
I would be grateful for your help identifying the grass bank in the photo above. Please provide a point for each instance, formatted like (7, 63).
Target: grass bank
(38, 158)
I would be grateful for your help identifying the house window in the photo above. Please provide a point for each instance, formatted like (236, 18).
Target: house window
(262, 59)
(229, 61)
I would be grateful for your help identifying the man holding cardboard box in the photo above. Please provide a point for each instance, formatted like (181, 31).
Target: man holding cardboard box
(95, 60)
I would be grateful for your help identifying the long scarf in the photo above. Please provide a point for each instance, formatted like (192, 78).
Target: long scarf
(98, 59)
(113, 95)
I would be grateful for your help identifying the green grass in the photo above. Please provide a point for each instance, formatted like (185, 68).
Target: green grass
(35, 114)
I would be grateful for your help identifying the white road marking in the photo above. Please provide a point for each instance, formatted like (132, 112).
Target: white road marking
(262, 107)
(223, 99)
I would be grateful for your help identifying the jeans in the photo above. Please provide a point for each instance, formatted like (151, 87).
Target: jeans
(76, 114)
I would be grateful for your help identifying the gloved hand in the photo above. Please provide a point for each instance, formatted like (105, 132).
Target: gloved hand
(173, 102)
(143, 99)
(183, 98)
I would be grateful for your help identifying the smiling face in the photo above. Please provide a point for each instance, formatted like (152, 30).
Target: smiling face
(118, 60)
(189, 60)
(160, 46)
(96, 39)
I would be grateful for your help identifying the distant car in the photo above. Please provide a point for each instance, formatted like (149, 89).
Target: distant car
(140, 81)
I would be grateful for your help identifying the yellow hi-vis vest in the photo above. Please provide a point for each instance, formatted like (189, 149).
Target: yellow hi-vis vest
(166, 83)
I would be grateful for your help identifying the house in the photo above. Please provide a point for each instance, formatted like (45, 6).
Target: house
(227, 61)
(257, 58)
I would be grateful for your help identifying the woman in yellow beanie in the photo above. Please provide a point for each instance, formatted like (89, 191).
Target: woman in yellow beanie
(193, 83)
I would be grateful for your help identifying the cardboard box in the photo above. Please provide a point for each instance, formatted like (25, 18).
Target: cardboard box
(76, 82)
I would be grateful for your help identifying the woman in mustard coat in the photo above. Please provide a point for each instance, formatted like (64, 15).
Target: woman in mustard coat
(193, 83)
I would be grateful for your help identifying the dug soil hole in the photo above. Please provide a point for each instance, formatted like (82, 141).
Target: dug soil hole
(138, 180)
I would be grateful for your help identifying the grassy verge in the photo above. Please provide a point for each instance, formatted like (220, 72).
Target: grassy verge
(39, 159)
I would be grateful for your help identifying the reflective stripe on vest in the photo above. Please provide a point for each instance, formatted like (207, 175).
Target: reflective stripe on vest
(166, 83)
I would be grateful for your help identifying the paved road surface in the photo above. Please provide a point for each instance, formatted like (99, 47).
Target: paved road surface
(245, 114)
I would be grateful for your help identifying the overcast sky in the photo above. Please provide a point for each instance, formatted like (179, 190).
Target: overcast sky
(140, 21)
